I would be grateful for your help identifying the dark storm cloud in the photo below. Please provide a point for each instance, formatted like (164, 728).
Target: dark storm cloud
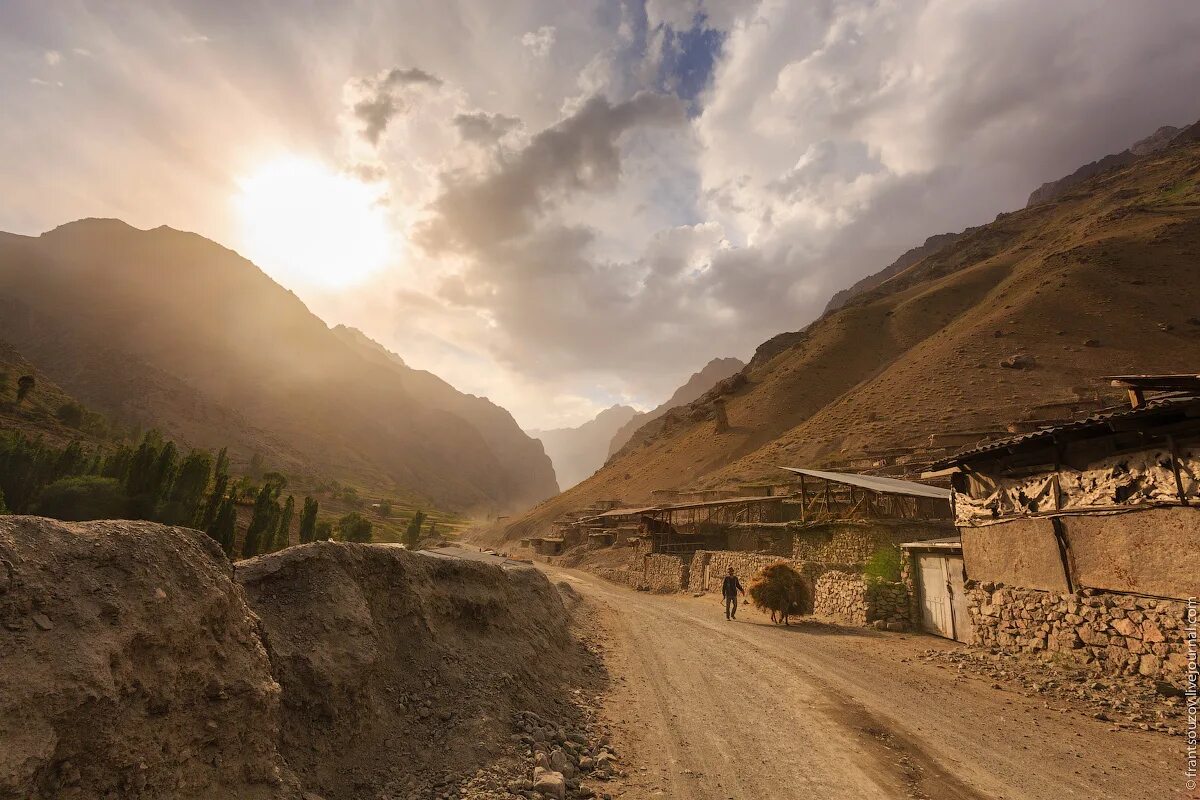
(384, 98)
(578, 154)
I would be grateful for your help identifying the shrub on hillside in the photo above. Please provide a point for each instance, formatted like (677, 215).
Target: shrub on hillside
(86, 497)
(782, 591)
(354, 527)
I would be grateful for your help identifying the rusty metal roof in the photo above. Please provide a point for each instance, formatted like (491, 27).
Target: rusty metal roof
(1151, 412)
(876, 483)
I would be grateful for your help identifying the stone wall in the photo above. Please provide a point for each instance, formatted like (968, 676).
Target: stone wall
(622, 576)
(664, 573)
(1119, 633)
(745, 567)
(851, 598)
(856, 542)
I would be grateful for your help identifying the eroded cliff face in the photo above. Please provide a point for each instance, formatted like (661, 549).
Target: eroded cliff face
(135, 664)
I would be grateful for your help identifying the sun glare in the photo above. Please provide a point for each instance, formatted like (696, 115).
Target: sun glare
(305, 223)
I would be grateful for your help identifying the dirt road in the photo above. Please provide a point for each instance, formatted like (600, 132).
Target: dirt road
(708, 709)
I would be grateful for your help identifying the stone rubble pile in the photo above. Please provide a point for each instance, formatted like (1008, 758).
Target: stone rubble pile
(562, 760)
(1127, 702)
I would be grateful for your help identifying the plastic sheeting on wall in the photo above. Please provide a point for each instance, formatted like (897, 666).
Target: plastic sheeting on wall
(1130, 479)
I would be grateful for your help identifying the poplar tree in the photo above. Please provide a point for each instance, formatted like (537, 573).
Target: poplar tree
(283, 532)
(412, 535)
(308, 521)
(224, 526)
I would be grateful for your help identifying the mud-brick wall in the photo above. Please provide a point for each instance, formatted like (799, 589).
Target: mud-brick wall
(851, 598)
(1122, 634)
(856, 542)
(745, 567)
(664, 573)
(623, 576)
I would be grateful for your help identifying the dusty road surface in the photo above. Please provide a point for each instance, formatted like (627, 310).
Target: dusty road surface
(705, 709)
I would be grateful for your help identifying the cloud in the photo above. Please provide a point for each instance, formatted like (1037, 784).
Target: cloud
(540, 41)
(578, 154)
(52, 57)
(482, 128)
(384, 96)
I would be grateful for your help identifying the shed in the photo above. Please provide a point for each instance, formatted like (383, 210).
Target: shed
(827, 495)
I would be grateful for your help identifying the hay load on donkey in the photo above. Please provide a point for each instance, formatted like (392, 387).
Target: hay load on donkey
(781, 590)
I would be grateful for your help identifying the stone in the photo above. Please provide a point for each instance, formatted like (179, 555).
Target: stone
(1149, 665)
(42, 621)
(1151, 632)
(548, 783)
(1127, 628)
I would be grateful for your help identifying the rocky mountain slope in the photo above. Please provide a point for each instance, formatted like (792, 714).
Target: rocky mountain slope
(167, 329)
(1143, 147)
(700, 382)
(933, 244)
(1100, 281)
(580, 451)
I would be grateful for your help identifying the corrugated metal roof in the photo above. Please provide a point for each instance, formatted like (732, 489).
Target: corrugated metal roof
(728, 501)
(621, 512)
(876, 483)
(1164, 406)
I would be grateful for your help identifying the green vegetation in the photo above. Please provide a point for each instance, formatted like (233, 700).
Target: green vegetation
(323, 531)
(152, 481)
(884, 564)
(308, 521)
(354, 527)
(412, 535)
(83, 497)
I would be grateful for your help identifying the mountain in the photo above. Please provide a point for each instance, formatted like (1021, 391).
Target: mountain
(167, 329)
(522, 453)
(933, 244)
(1103, 281)
(700, 382)
(1143, 147)
(578, 452)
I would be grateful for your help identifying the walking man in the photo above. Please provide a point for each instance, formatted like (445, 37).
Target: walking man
(729, 590)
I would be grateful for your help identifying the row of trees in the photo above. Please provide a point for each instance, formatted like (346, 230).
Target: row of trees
(152, 481)
(156, 481)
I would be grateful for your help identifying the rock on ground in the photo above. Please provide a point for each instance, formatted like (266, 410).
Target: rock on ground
(130, 667)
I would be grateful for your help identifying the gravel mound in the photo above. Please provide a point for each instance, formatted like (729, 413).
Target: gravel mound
(130, 667)
(401, 673)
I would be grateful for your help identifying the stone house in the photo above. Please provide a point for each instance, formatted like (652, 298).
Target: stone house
(1082, 539)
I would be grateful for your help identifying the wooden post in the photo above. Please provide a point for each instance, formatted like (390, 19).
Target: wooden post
(1136, 398)
(1175, 468)
(803, 501)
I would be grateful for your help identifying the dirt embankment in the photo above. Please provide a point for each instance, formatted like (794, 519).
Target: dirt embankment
(401, 671)
(133, 664)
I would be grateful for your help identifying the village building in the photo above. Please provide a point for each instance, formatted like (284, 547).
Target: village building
(828, 525)
(1082, 539)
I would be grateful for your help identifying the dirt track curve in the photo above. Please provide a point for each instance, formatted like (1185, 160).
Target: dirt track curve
(703, 709)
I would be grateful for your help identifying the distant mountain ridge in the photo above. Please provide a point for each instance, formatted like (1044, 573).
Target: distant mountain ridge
(168, 329)
(578, 452)
(700, 382)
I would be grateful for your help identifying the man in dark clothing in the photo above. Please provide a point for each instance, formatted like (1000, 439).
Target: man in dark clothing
(729, 590)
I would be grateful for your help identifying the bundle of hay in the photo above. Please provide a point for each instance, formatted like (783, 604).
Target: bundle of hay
(781, 590)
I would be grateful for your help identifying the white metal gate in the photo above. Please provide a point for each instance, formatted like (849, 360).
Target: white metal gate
(936, 614)
(943, 598)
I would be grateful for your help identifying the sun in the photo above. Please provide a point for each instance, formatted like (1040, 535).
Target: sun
(308, 225)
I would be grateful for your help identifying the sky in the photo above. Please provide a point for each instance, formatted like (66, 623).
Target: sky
(565, 205)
